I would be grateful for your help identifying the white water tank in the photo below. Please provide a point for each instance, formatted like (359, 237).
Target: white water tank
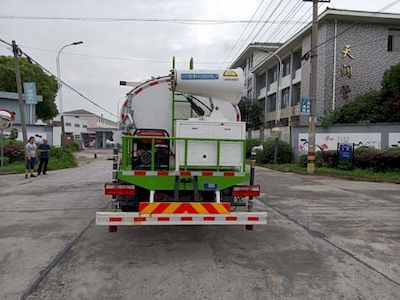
(226, 85)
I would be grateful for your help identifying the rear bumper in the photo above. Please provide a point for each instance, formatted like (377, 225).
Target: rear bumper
(134, 218)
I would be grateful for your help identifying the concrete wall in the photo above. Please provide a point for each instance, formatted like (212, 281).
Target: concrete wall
(33, 130)
(255, 134)
(377, 135)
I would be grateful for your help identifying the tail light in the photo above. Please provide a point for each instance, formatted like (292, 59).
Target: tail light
(246, 191)
(116, 189)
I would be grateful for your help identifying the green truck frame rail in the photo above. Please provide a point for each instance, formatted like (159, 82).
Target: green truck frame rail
(126, 158)
(168, 182)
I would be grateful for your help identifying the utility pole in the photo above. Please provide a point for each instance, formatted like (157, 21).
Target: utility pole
(19, 90)
(313, 89)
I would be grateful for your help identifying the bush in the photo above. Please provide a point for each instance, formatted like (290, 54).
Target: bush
(250, 144)
(73, 147)
(303, 161)
(14, 151)
(327, 159)
(364, 158)
(285, 153)
(63, 155)
(393, 149)
(364, 149)
(378, 161)
(322, 159)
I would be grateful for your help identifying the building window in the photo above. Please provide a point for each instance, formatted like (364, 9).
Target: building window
(394, 40)
(251, 61)
(286, 67)
(271, 103)
(285, 98)
(77, 136)
(296, 94)
(297, 60)
(84, 126)
(270, 124)
(261, 104)
(77, 125)
(67, 124)
(273, 75)
(284, 122)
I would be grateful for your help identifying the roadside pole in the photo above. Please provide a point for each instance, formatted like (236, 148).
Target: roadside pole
(19, 90)
(313, 89)
(251, 182)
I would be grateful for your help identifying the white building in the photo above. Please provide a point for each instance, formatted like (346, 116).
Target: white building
(254, 54)
(75, 127)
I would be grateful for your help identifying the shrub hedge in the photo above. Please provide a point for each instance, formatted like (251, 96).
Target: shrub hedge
(364, 158)
(13, 151)
(285, 153)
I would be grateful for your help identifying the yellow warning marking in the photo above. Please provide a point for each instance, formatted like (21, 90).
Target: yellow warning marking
(148, 209)
(230, 73)
(221, 209)
(171, 208)
(199, 207)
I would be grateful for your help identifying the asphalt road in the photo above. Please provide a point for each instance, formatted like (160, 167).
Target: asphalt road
(327, 239)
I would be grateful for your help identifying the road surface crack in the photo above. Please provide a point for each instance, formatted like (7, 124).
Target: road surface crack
(321, 236)
(56, 260)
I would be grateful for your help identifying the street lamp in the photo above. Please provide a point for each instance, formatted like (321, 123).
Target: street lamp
(60, 99)
(276, 134)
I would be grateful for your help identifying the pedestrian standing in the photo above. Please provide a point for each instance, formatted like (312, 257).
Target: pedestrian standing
(43, 150)
(30, 156)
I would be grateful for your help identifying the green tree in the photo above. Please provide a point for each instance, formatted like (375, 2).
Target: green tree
(391, 93)
(366, 108)
(373, 106)
(46, 85)
(251, 113)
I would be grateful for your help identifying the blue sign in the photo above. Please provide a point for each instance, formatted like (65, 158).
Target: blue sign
(345, 152)
(199, 76)
(305, 106)
(210, 186)
(30, 93)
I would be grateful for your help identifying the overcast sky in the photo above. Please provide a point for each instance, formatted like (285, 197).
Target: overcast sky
(137, 50)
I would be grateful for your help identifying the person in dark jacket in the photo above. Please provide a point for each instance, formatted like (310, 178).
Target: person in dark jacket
(43, 150)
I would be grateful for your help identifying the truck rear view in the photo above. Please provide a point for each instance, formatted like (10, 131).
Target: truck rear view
(183, 154)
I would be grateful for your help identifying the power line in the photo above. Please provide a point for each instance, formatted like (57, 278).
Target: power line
(290, 32)
(165, 20)
(276, 8)
(117, 58)
(263, 13)
(350, 27)
(280, 28)
(30, 59)
(244, 30)
(246, 38)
